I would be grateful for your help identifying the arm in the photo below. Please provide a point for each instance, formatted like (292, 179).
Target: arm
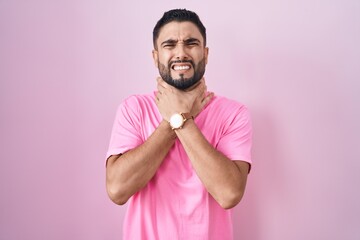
(128, 173)
(223, 178)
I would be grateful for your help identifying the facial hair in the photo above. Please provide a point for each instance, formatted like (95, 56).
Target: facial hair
(182, 83)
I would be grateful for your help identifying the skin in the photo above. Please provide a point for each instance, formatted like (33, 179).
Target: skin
(189, 50)
(223, 178)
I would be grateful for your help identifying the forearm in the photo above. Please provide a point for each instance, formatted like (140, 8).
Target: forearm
(128, 173)
(222, 178)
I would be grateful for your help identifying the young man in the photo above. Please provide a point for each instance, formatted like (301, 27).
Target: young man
(181, 155)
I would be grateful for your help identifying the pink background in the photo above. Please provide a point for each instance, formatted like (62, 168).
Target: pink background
(65, 66)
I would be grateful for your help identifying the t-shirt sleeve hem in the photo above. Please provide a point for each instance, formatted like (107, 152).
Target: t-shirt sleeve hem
(242, 158)
(114, 151)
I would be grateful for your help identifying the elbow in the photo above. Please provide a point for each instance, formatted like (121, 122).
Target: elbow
(115, 188)
(230, 200)
(116, 195)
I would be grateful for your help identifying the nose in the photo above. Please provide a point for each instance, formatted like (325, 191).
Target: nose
(181, 52)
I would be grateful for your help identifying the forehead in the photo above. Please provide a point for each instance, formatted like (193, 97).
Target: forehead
(179, 31)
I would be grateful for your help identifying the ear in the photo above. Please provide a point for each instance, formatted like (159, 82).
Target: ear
(206, 54)
(155, 55)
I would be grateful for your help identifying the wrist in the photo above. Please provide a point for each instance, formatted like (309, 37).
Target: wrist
(166, 129)
(188, 125)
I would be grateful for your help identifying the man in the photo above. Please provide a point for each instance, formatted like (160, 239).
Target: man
(181, 155)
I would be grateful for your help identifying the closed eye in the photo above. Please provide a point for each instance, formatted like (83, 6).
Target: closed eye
(192, 42)
(169, 45)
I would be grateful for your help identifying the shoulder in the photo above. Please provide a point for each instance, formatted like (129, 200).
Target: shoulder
(138, 99)
(138, 102)
(227, 106)
(232, 115)
(228, 113)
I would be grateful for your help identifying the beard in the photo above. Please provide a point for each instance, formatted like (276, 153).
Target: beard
(182, 83)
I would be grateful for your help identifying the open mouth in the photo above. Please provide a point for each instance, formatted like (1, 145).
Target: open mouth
(181, 67)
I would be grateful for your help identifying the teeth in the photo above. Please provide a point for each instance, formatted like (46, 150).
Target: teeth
(176, 68)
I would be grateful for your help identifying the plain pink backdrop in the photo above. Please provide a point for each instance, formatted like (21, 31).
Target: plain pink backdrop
(66, 65)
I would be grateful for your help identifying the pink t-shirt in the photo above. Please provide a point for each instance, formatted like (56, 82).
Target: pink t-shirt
(175, 204)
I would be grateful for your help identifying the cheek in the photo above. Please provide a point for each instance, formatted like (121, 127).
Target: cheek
(164, 57)
(199, 55)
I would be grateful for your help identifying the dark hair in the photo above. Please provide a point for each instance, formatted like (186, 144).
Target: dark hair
(178, 15)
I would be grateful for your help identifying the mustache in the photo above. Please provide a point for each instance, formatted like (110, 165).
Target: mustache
(182, 61)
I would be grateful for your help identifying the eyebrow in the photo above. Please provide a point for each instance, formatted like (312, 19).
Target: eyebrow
(192, 40)
(187, 41)
(169, 41)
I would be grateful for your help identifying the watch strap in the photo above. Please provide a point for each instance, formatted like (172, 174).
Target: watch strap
(187, 116)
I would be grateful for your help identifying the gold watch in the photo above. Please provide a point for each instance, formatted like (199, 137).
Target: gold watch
(178, 120)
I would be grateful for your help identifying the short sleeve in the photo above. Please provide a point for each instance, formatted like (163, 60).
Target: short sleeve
(236, 141)
(125, 133)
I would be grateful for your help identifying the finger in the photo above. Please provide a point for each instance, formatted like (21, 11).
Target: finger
(161, 82)
(202, 93)
(207, 99)
(202, 90)
(199, 89)
(203, 81)
(161, 88)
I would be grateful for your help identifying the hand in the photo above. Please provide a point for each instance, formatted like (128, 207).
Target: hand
(171, 100)
(201, 102)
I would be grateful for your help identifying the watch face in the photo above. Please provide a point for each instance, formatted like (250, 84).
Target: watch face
(176, 120)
